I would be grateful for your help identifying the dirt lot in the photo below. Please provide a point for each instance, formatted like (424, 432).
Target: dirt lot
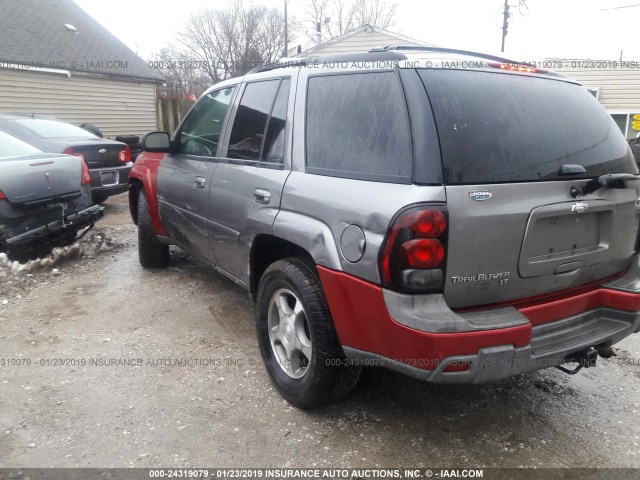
(194, 393)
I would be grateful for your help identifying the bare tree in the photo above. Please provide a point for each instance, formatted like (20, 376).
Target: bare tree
(338, 17)
(229, 42)
(182, 77)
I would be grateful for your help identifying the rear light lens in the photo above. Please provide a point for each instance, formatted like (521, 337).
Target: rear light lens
(422, 253)
(517, 67)
(86, 174)
(125, 155)
(2, 195)
(69, 151)
(414, 251)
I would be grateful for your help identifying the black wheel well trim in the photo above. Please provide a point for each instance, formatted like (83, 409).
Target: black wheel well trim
(271, 249)
(135, 185)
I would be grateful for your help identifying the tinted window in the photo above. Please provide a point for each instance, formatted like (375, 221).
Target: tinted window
(357, 127)
(513, 128)
(201, 131)
(54, 129)
(274, 140)
(251, 120)
(10, 146)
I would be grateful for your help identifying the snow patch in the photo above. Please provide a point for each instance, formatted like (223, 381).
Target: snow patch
(88, 246)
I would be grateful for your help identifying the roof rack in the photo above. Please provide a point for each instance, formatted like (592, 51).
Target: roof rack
(455, 51)
(380, 55)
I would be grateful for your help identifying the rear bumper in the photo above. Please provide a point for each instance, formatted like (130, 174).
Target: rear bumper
(111, 180)
(430, 342)
(53, 232)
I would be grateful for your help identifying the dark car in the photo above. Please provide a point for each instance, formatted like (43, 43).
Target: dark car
(45, 199)
(451, 215)
(109, 161)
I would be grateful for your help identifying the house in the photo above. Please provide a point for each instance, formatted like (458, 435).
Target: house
(57, 61)
(616, 84)
(361, 40)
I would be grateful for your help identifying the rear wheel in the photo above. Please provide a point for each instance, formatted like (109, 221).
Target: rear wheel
(297, 339)
(151, 253)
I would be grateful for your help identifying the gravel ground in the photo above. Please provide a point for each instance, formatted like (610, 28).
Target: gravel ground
(193, 392)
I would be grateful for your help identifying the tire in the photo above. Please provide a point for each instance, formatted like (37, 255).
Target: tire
(303, 355)
(151, 253)
(128, 139)
(92, 128)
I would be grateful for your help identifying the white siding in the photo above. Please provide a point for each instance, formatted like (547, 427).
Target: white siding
(116, 107)
(360, 42)
(619, 88)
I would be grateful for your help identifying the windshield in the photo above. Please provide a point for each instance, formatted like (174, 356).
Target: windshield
(54, 129)
(10, 146)
(496, 127)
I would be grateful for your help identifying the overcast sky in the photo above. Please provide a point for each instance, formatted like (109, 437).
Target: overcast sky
(550, 28)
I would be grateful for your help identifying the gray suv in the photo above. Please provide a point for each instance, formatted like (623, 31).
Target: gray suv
(446, 214)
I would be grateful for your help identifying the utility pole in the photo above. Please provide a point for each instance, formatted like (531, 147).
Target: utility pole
(285, 53)
(505, 22)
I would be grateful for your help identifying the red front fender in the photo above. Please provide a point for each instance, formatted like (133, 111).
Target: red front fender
(145, 171)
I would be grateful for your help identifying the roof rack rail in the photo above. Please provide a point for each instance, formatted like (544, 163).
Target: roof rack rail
(381, 55)
(444, 50)
(281, 64)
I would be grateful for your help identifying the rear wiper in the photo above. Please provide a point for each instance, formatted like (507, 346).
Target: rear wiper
(571, 169)
(615, 180)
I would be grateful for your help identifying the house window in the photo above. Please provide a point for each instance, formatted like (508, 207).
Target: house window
(595, 91)
(621, 121)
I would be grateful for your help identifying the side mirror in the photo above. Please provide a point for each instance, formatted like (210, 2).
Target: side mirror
(156, 142)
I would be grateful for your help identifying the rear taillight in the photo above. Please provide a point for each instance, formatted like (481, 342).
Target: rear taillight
(414, 251)
(2, 195)
(86, 174)
(125, 155)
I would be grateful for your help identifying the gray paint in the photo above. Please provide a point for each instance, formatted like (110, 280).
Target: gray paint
(499, 235)
(430, 313)
(353, 243)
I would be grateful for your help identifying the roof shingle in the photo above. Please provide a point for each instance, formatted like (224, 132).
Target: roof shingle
(33, 34)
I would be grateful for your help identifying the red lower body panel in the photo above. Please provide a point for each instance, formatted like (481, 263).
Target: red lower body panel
(363, 322)
(550, 311)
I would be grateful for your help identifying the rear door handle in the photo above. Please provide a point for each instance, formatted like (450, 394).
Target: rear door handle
(199, 182)
(261, 196)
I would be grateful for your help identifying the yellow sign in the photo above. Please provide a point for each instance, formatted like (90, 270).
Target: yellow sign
(635, 125)
(636, 117)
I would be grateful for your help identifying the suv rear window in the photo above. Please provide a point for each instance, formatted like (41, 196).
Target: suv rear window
(358, 127)
(497, 127)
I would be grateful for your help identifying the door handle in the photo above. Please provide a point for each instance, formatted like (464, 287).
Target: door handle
(261, 196)
(199, 182)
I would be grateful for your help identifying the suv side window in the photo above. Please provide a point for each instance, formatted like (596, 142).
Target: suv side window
(273, 150)
(250, 124)
(358, 127)
(201, 131)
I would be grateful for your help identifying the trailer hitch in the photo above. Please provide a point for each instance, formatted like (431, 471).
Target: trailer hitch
(584, 358)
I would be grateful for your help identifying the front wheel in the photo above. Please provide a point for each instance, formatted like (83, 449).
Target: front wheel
(298, 342)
